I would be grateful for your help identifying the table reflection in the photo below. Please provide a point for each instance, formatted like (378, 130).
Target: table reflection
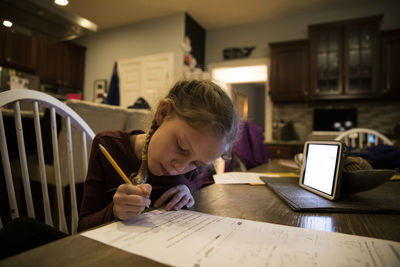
(323, 223)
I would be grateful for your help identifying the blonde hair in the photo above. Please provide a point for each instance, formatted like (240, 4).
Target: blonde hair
(203, 105)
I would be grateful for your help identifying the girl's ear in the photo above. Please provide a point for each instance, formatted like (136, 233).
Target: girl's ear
(164, 109)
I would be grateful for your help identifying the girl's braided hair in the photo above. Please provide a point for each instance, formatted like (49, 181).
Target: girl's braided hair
(203, 105)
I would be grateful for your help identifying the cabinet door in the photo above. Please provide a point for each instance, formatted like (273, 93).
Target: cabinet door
(62, 64)
(51, 61)
(283, 151)
(20, 50)
(326, 62)
(72, 63)
(2, 44)
(361, 51)
(289, 71)
(344, 59)
(391, 63)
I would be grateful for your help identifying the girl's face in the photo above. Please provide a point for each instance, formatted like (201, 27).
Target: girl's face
(176, 148)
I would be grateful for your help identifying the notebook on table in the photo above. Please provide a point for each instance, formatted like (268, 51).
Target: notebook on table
(382, 199)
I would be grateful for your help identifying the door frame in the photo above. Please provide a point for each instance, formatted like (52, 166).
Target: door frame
(226, 84)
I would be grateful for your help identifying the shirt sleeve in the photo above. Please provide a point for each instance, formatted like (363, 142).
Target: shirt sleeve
(199, 178)
(97, 205)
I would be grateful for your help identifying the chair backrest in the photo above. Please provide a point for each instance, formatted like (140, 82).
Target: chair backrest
(27, 107)
(362, 137)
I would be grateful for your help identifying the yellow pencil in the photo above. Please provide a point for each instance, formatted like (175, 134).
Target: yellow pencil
(116, 167)
(114, 164)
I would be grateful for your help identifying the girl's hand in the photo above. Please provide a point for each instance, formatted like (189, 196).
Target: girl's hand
(130, 200)
(180, 196)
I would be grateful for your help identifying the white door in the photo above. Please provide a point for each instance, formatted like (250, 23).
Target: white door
(130, 75)
(149, 77)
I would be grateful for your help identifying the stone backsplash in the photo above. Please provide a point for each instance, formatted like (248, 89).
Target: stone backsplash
(382, 116)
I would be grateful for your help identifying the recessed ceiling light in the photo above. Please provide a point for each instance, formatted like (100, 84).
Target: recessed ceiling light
(61, 2)
(7, 23)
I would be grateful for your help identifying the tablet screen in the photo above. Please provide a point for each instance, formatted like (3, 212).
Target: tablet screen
(320, 169)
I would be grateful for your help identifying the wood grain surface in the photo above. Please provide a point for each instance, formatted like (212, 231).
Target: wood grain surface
(251, 202)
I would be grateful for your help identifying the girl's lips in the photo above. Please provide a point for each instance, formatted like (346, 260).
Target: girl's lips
(164, 171)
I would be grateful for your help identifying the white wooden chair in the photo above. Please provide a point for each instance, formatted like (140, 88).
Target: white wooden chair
(362, 137)
(33, 103)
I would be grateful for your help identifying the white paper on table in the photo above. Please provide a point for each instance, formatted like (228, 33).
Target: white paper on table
(241, 177)
(189, 238)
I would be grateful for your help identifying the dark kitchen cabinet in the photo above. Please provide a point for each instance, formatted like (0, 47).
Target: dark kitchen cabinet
(2, 44)
(345, 59)
(73, 65)
(283, 151)
(18, 50)
(289, 71)
(390, 62)
(49, 62)
(62, 64)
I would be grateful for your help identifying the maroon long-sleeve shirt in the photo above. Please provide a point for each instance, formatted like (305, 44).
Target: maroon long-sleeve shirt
(102, 180)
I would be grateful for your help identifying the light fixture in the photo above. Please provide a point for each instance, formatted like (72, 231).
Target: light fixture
(257, 73)
(7, 23)
(61, 2)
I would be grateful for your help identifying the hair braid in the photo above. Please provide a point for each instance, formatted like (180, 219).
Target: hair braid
(143, 172)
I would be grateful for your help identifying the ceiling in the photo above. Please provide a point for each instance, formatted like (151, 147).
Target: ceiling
(211, 14)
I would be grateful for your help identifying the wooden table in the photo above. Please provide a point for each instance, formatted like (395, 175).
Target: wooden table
(251, 202)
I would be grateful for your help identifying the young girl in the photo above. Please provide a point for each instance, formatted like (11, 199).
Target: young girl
(193, 125)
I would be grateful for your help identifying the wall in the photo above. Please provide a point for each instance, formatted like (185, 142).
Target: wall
(292, 28)
(150, 37)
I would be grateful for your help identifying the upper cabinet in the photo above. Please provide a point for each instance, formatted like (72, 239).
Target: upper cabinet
(289, 71)
(62, 64)
(390, 75)
(345, 59)
(2, 44)
(18, 50)
(73, 65)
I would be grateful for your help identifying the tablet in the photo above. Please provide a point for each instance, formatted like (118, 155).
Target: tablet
(321, 171)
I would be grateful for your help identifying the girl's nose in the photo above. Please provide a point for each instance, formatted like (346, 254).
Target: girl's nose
(180, 166)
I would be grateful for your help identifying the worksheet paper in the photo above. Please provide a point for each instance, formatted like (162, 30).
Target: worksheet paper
(189, 238)
(248, 177)
(239, 178)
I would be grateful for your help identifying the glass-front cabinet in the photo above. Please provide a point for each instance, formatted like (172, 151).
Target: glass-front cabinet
(344, 57)
(327, 67)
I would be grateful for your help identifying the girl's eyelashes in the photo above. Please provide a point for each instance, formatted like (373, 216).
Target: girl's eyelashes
(186, 152)
(181, 149)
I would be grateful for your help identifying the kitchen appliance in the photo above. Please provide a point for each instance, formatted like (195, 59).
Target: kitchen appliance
(45, 19)
(328, 123)
(334, 119)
